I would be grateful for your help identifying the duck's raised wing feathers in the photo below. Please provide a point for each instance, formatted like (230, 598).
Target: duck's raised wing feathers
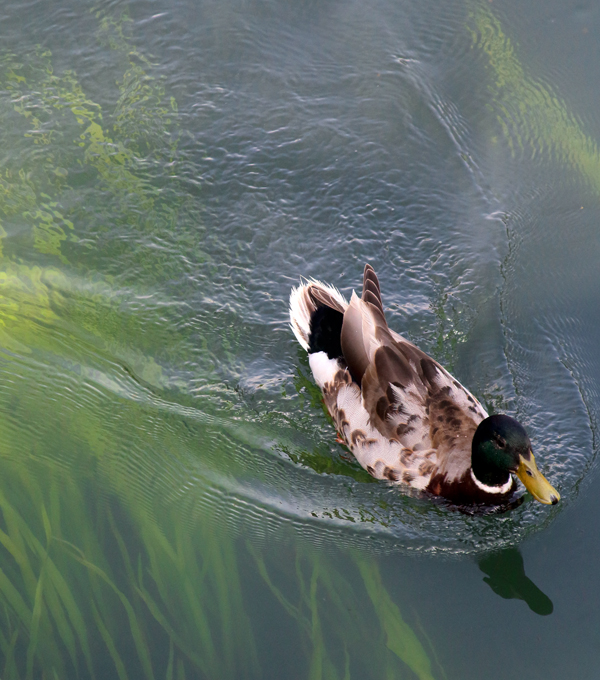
(409, 397)
(401, 414)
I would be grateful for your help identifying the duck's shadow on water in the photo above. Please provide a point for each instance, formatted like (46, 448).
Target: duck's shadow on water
(505, 575)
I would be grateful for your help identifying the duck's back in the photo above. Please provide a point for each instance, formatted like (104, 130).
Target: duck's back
(403, 416)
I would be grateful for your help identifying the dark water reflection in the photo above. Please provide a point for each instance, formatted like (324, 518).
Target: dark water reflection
(505, 575)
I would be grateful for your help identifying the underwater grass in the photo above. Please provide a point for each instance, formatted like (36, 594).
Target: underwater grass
(90, 576)
(151, 610)
(181, 610)
(400, 637)
(530, 116)
(47, 629)
(94, 578)
(341, 615)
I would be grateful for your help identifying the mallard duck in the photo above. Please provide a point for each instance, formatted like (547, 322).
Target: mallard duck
(401, 414)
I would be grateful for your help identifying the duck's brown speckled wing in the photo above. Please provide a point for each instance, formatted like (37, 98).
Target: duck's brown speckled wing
(409, 397)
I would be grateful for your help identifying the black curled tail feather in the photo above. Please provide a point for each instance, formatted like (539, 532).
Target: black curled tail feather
(316, 314)
(326, 331)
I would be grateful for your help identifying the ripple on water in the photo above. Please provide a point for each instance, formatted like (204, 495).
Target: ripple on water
(307, 156)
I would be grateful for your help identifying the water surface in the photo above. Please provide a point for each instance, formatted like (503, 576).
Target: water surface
(174, 503)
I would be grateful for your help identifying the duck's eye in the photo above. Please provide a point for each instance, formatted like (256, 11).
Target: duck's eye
(499, 441)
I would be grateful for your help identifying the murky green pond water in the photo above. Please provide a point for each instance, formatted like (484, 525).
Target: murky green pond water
(173, 503)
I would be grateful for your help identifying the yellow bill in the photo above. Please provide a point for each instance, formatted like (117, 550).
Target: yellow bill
(535, 482)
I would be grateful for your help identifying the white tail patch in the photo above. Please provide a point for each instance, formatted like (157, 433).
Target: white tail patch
(323, 368)
(302, 308)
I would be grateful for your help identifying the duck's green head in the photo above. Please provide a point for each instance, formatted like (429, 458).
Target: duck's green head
(500, 447)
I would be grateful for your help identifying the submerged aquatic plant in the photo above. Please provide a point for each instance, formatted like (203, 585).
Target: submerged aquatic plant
(531, 117)
(94, 568)
(102, 571)
(151, 610)
(113, 561)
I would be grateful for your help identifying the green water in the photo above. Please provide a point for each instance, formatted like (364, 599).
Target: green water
(173, 503)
